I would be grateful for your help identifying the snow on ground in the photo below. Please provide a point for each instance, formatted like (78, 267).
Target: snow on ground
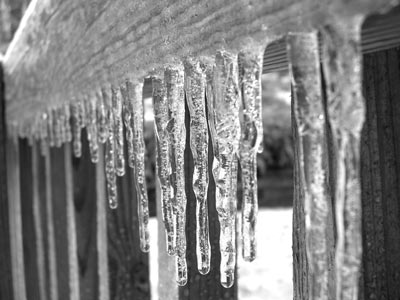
(269, 277)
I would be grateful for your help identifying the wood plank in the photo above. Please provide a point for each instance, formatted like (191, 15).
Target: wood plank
(28, 222)
(128, 265)
(105, 42)
(6, 284)
(15, 219)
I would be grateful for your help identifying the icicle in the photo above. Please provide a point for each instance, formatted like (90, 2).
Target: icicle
(345, 107)
(61, 120)
(102, 119)
(127, 111)
(67, 125)
(304, 64)
(77, 112)
(250, 142)
(110, 156)
(173, 80)
(134, 107)
(116, 100)
(91, 129)
(195, 86)
(43, 134)
(50, 128)
(223, 109)
(163, 163)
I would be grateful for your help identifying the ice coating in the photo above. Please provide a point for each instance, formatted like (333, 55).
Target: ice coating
(77, 115)
(116, 100)
(195, 86)
(109, 156)
(176, 131)
(345, 110)
(250, 143)
(91, 129)
(223, 109)
(304, 66)
(134, 105)
(102, 120)
(163, 164)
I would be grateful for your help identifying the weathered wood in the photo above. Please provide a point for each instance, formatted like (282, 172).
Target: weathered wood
(85, 206)
(6, 287)
(128, 265)
(15, 219)
(381, 176)
(30, 239)
(105, 41)
(202, 286)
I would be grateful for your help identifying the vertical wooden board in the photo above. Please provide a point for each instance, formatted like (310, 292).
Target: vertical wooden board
(84, 190)
(202, 286)
(15, 219)
(128, 265)
(6, 288)
(28, 225)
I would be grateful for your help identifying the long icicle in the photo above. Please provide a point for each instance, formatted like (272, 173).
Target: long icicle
(109, 155)
(174, 82)
(223, 109)
(116, 99)
(345, 107)
(195, 86)
(163, 163)
(304, 65)
(135, 106)
(250, 143)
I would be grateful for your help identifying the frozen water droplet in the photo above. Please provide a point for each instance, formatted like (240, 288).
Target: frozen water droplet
(223, 109)
(250, 142)
(227, 279)
(195, 86)
(163, 163)
(134, 124)
(118, 131)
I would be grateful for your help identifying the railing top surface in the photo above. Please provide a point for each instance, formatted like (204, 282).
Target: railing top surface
(69, 49)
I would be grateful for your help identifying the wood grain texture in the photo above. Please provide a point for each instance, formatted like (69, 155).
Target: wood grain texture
(380, 176)
(71, 49)
(128, 265)
(6, 288)
(15, 219)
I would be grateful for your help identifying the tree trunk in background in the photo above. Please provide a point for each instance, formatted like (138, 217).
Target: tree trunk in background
(380, 169)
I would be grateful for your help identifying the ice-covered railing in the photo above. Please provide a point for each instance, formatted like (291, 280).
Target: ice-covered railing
(64, 80)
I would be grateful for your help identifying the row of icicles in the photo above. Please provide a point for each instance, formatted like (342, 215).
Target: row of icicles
(232, 113)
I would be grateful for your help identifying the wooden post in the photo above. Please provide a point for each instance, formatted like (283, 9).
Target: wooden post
(380, 169)
(6, 284)
(128, 265)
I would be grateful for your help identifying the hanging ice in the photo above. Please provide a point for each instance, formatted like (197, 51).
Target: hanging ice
(345, 108)
(50, 127)
(163, 163)
(134, 108)
(195, 85)
(102, 120)
(223, 109)
(118, 131)
(110, 156)
(127, 111)
(309, 118)
(250, 142)
(91, 129)
(57, 127)
(77, 112)
(176, 131)
(67, 124)
(43, 134)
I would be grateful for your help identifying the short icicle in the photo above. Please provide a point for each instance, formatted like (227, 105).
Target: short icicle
(304, 66)
(223, 109)
(116, 99)
(250, 143)
(176, 131)
(134, 105)
(43, 134)
(102, 119)
(67, 120)
(91, 129)
(345, 109)
(163, 164)
(50, 127)
(109, 155)
(77, 114)
(195, 86)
